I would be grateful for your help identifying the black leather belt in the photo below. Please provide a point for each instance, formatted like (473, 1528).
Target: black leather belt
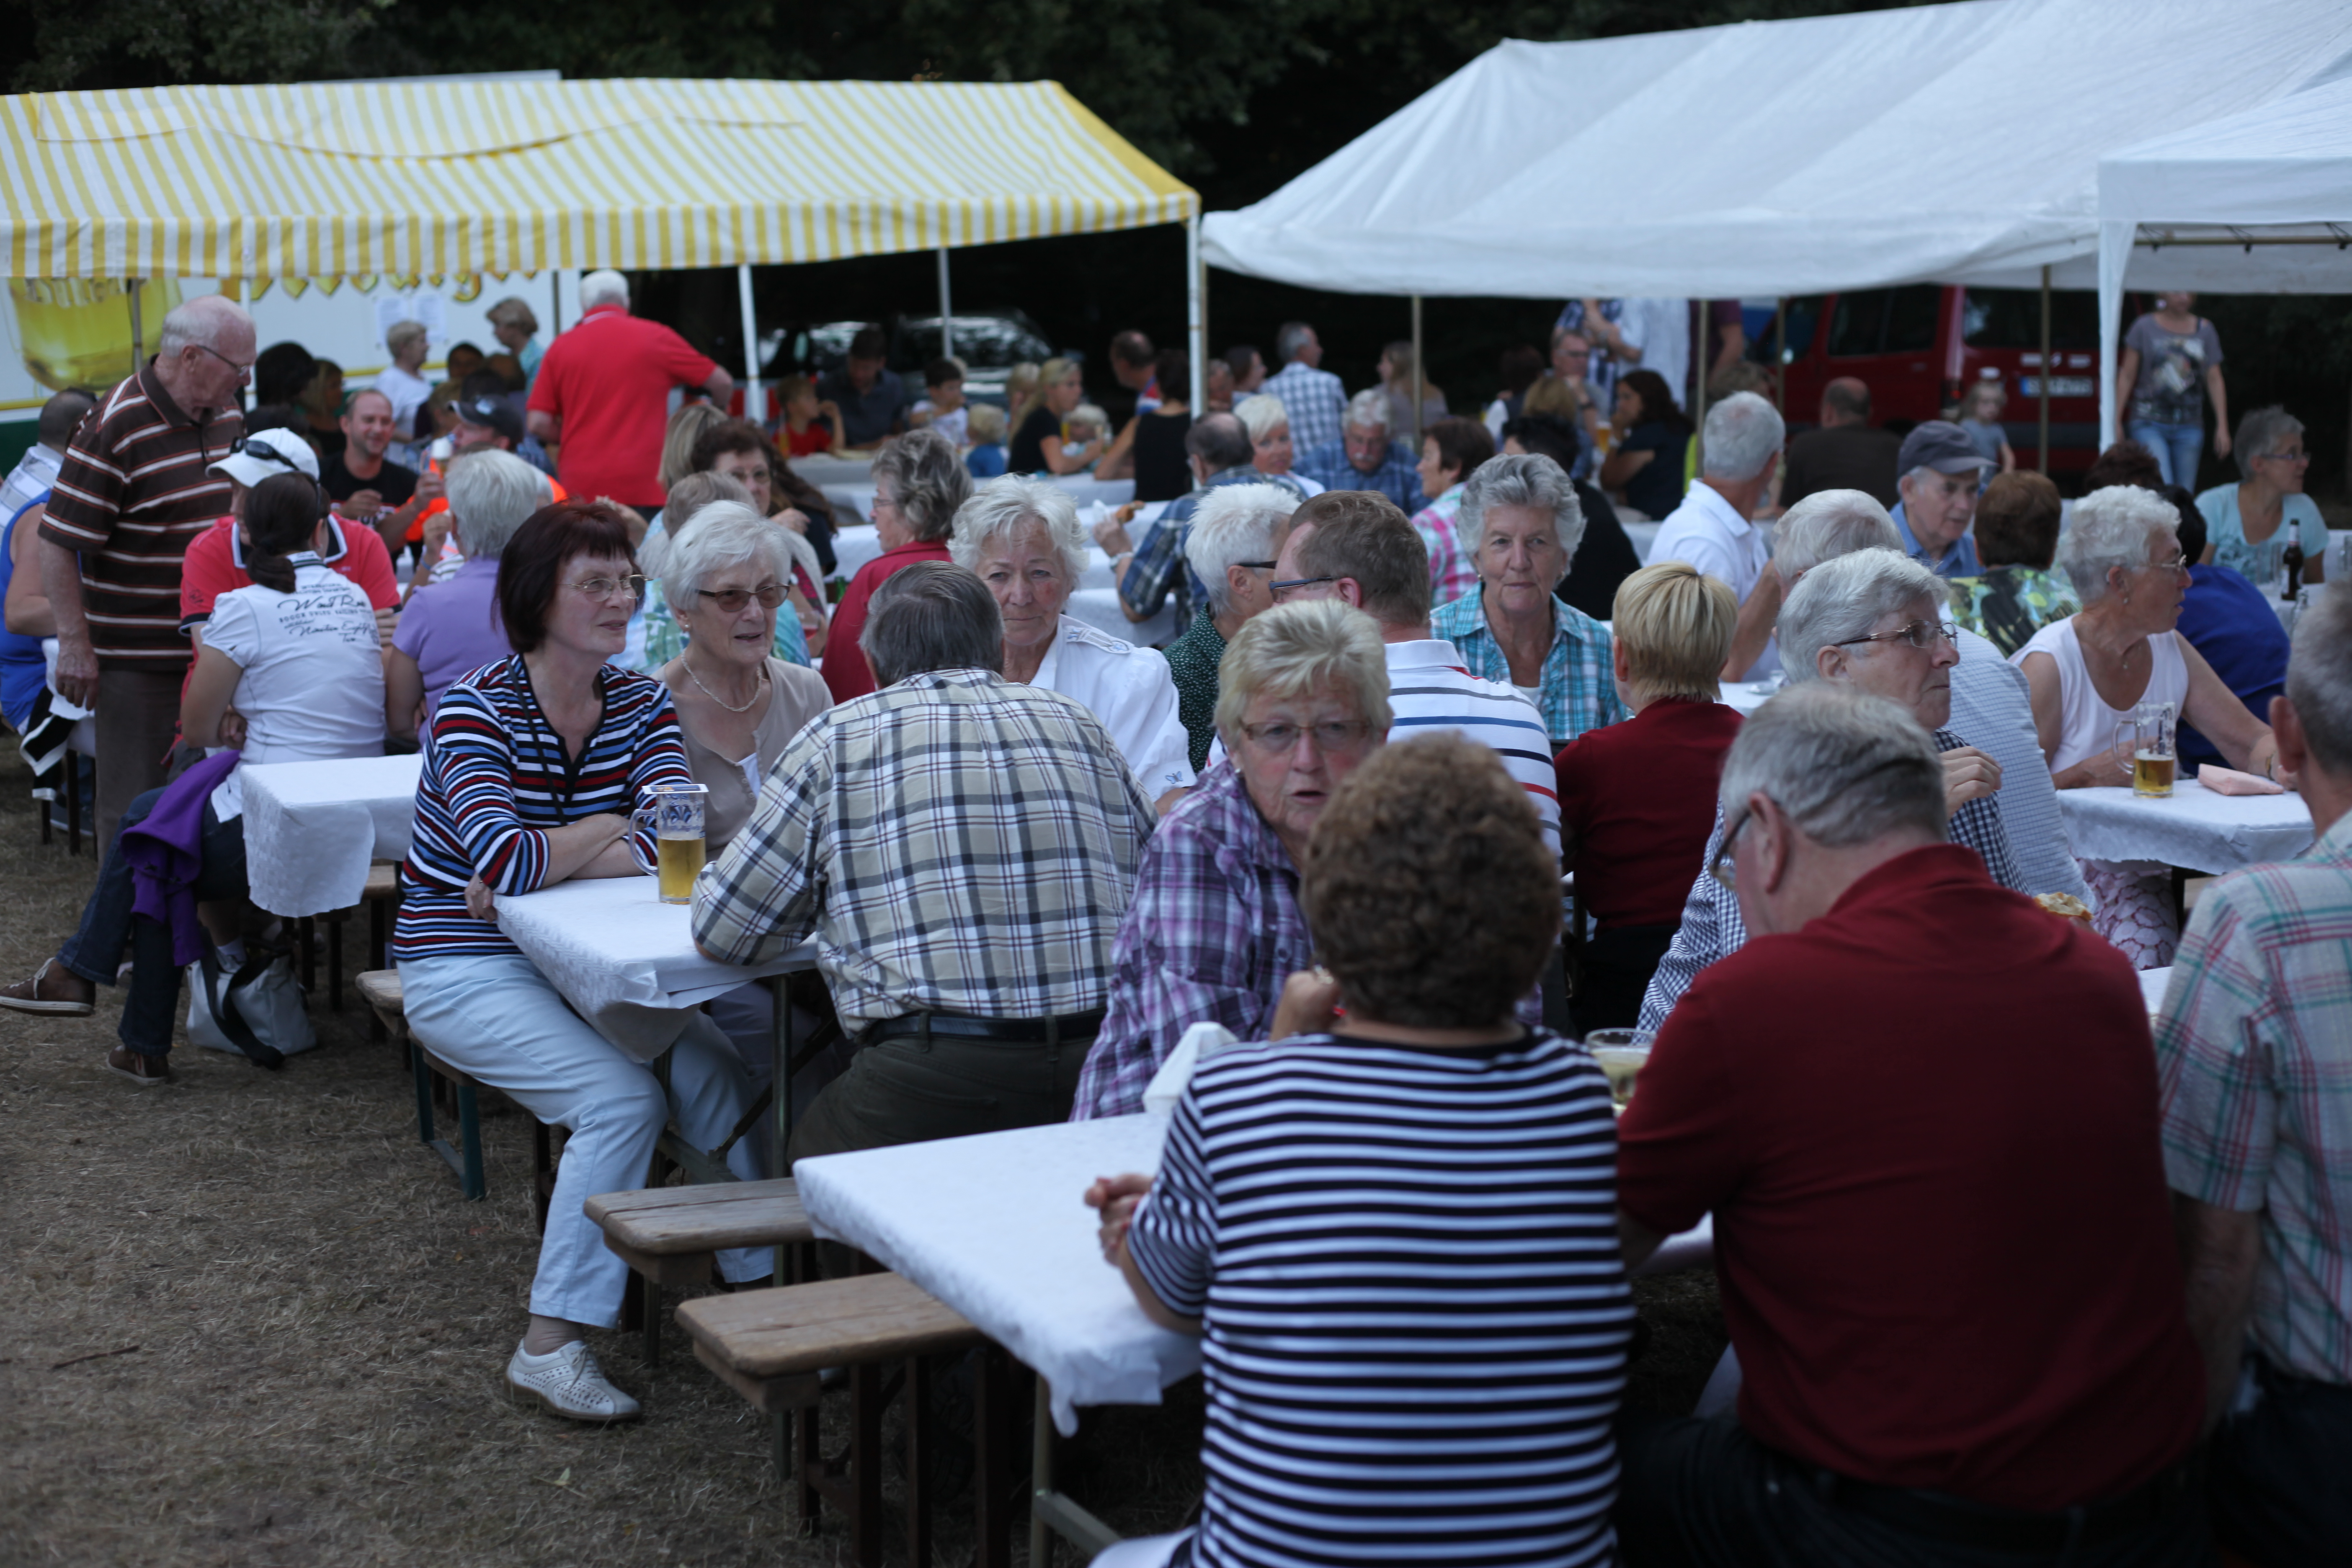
(1959, 1523)
(963, 1027)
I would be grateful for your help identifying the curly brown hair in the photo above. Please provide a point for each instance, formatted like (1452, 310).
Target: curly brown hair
(1427, 887)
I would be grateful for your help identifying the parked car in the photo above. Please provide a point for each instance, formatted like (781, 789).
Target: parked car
(1918, 347)
(988, 342)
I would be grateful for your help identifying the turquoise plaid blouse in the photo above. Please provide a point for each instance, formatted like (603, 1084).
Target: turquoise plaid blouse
(1580, 687)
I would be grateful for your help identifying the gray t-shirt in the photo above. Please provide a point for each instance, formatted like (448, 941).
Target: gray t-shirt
(2170, 388)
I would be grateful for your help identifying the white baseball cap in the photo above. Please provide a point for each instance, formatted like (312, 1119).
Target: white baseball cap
(268, 452)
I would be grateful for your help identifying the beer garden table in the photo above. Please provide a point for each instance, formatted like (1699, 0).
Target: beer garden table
(312, 829)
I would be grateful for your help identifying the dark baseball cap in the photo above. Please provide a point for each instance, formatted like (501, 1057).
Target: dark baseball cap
(1942, 446)
(493, 414)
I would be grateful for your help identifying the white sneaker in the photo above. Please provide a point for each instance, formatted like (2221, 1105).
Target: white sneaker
(569, 1383)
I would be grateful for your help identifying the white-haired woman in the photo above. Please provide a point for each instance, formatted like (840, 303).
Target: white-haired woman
(2088, 672)
(1023, 537)
(1268, 424)
(1039, 446)
(2254, 521)
(657, 634)
(451, 628)
(738, 703)
(1519, 518)
(1233, 542)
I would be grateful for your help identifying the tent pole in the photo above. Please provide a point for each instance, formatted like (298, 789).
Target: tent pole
(1420, 374)
(755, 399)
(1698, 398)
(138, 336)
(1780, 355)
(947, 320)
(2043, 448)
(1196, 316)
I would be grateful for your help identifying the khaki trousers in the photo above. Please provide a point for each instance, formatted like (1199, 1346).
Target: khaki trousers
(138, 711)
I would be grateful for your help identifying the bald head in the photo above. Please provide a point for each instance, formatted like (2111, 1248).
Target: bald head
(206, 354)
(1846, 401)
(211, 319)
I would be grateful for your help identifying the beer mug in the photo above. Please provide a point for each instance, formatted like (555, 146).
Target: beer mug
(672, 813)
(1622, 1053)
(2152, 757)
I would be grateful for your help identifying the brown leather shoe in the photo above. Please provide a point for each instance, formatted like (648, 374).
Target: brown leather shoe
(144, 1071)
(53, 989)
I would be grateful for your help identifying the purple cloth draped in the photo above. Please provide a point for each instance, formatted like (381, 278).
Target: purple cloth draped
(165, 851)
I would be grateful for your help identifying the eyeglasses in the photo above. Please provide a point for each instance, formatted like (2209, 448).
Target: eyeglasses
(1256, 565)
(242, 368)
(730, 601)
(1919, 634)
(254, 446)
(1290, 585)
(2178, 563)
(2285, 456)
(1724, 870)
(1340, 735)
(633, 585)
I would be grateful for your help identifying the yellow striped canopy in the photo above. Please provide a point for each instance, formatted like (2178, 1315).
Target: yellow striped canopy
(454, 178)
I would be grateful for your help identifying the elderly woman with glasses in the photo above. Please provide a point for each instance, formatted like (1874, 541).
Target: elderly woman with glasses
(1519, 519)
(2254, 521)
(1876, 620)
(920, 480)
(1214, 930)
(534, 766)
(1023, 537)
(2088, 673)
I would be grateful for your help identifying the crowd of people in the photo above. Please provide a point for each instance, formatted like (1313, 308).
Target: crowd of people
(2006, 1280)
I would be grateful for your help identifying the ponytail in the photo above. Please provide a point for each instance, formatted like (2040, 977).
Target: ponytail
(281, 513)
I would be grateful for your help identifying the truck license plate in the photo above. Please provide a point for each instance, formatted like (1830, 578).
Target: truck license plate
(2060, 386)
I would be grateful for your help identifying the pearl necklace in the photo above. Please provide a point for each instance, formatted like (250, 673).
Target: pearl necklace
(762, 686)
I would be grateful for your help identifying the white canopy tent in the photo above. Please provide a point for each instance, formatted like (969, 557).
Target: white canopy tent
(2257, 202)
(1954, 143)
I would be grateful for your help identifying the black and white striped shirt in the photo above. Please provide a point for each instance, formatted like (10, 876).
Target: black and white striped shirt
(1416, 1314)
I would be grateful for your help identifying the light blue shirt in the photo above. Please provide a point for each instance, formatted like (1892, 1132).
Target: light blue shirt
(1958, 561)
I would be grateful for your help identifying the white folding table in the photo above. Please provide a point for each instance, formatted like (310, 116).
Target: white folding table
(312, 829)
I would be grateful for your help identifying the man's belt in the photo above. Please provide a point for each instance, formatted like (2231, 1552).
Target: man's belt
(1959, 1523)
(964, 1027)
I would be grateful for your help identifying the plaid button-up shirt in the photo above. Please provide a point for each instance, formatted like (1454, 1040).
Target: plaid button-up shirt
(1396, 478)
(1315, 399)
(1580, 685)
(1452, 573)
(958, 843)
(1213, 933)
(2254, 1053)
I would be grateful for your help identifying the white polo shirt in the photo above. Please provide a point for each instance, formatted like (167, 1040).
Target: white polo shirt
(1707, 532)
(1130, 689)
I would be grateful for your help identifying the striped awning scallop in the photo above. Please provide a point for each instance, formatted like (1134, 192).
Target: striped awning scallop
(452, 178)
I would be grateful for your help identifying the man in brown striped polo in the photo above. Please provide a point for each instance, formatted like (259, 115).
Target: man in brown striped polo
(134, 490)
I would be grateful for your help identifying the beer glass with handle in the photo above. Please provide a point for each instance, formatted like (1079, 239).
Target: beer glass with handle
(2152, 757)
(672, 813)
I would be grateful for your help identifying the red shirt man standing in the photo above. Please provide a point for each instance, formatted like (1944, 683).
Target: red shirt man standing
(601, 399)
(1923, 1113)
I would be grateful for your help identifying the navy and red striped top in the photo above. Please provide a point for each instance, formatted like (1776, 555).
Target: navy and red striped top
(496, 777)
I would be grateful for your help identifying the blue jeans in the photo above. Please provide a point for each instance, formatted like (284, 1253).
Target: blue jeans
(108, 927)
(2177, 448)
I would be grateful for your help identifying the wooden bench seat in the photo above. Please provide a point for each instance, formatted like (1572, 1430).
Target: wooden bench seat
(771, 1345)
(672, 1236)
(380, 990)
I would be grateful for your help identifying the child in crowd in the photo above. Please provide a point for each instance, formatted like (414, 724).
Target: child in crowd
(1088, 429)
(1980, 408)
(944, 409)
(812, 424)
(985, 424)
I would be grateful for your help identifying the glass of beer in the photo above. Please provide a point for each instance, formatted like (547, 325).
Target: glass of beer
(2152, 755)
(672, 813)
(1621, 1054)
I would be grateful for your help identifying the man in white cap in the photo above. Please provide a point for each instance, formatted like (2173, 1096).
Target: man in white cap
(601, 400)
(1940, 473)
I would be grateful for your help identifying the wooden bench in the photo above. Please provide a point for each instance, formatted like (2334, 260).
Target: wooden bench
(380, 990)
(672, 1236)
(769, 1346)
(379, 896)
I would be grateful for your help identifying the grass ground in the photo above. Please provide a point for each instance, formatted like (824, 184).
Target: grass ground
(294, 1326)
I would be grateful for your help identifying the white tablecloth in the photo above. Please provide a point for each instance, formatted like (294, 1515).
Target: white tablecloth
(312, 828)
(624, 959)
(2195, 828)
(2152, 983)
(1749, 695)
(1642, 536)
(995, 1225)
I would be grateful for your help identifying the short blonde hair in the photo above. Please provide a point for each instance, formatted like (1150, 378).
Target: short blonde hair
(985, 424)
(1090, 414)
(513, 312)
(400, 334)
(1675, 624)
(686, 428)
(1293, 648)
(1262, 415)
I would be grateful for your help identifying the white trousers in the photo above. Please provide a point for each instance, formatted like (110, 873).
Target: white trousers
(498, 1018)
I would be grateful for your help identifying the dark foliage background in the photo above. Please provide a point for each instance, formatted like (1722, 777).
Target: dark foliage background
(1235, 96)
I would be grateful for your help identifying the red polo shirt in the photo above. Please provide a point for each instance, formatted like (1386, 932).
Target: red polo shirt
(1636, 804)
(845, 672)
(1926, 1127)
(608, 380)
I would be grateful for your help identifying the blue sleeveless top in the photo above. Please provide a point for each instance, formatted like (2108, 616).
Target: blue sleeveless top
(23, 669)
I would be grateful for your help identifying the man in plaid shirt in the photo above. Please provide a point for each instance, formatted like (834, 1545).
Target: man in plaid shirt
(962, 847)
(2254, 1059)
(1315, 398)
(1366, 456)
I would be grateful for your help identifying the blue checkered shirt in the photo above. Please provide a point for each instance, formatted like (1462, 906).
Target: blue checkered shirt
(1579, 686)
(1396, 478)
(1159, 565)
(1316, 402)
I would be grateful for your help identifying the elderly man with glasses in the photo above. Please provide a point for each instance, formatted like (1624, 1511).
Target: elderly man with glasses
(1924, 1116)
(1877, 621)
(1366, 456)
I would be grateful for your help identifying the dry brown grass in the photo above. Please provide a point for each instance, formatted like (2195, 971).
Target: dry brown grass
(321, 1322)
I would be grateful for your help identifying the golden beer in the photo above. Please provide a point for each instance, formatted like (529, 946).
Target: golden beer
(1623, 1065)
(2151, 774)
(680, 863)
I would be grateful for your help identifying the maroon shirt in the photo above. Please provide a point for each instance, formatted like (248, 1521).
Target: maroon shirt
(845, 672)
(1636, 804)
(1926, 1127)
